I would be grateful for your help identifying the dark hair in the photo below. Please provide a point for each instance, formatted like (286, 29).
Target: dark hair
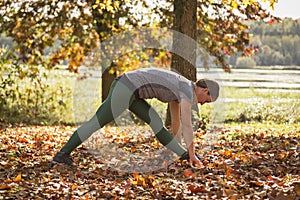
(213, 87)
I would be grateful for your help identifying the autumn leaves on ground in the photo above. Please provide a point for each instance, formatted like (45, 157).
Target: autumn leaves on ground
(246, 162)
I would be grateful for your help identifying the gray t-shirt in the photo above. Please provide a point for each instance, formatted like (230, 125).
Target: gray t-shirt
(162, 84)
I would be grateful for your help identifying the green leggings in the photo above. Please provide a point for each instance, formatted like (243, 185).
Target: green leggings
(119, 99)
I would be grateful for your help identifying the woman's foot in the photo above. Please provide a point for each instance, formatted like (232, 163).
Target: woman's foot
(63, 157)
(186, 156)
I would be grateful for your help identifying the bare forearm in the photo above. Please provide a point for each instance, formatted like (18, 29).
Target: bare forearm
(188, 136)
(175, 127)
(187, 127)
(191, 149)
(175, 119)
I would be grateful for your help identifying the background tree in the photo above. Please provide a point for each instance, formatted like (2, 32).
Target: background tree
(246, 62)
(277, 42)
(81, 26)
(185, 21)
(218, 27)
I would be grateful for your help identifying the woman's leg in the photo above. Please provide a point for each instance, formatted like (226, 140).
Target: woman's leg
(119, 99)
(145, 112)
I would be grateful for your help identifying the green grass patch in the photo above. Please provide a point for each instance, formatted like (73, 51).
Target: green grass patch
(252, 93)
(58, 96)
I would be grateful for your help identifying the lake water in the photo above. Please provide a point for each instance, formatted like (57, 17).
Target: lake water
(256, 78)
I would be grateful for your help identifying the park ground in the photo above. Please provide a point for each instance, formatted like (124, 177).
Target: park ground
(248, 161)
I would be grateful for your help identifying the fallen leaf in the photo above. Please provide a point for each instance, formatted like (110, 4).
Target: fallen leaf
(256, 183)
(4, 186)
(73, 187)
(138, 180)
(229, 171)
(187, 173)
(297, 189)
(18, 178)
(196, 189)
(227, 153)
(234, 197)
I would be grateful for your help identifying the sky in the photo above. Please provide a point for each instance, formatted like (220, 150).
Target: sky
(287, 8)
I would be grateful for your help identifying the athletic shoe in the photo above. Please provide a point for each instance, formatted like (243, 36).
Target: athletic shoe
(62, 157)
(186, 156)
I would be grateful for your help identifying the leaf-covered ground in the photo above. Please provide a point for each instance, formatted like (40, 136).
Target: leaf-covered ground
(246, 162)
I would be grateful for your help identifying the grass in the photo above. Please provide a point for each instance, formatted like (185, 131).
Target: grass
(246, 93)
(82, 97)
(251, 104)
(237, 100)
(87, 98)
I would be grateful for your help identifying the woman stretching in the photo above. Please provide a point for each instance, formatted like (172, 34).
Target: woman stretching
(130, 90)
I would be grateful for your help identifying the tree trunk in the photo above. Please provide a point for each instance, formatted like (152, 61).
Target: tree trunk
(107, 79)
(102, 28)
(185, 22)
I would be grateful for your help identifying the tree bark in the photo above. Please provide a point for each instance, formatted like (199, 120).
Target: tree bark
(102, 28)
(107, 79)
(185, 22)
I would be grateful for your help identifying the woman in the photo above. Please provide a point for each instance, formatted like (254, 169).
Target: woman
(130, 90)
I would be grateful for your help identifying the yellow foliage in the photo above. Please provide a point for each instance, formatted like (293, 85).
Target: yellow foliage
(18, 178)
(207, 28)
(234, 4)
(246, 2)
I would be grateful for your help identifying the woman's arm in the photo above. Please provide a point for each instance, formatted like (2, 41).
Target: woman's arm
(187, 128)
(175, 120)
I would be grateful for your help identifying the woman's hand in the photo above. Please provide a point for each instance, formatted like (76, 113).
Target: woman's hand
(194, 160)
